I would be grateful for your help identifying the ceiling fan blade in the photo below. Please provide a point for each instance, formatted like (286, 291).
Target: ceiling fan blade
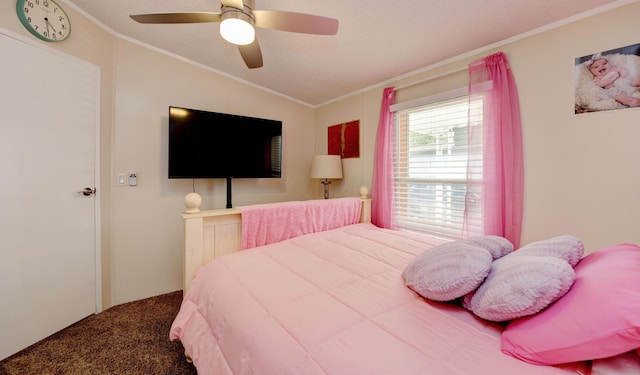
(187, 17)
(251, 54)
(295, 22)
(238, 4)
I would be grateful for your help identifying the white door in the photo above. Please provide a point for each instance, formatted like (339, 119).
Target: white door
(48, 116)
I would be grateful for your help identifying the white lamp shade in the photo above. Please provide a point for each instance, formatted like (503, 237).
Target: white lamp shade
(326, 166)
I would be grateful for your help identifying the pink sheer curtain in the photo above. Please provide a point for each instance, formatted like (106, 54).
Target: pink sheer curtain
(502, 154)
(382, 185)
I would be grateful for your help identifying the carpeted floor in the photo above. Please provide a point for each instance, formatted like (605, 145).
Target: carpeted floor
(131, 338)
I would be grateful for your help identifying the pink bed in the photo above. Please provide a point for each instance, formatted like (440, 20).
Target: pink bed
(334, 302)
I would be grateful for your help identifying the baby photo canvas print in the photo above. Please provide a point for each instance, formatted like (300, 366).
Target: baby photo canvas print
(608, 80)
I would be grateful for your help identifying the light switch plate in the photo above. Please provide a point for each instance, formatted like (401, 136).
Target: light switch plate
(133, 179)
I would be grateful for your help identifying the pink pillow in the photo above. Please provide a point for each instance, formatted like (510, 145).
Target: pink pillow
(599, 317)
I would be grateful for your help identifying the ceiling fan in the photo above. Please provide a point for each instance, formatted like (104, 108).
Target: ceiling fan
(238, 20)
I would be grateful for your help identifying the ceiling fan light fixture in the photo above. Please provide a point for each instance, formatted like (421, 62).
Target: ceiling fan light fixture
(237, 27)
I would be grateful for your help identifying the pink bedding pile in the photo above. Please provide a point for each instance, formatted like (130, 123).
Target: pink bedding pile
(334, 302)
(263, 224)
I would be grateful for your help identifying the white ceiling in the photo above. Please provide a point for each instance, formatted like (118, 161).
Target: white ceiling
(377, 40)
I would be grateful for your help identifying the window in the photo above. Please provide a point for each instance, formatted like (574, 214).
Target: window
(431, 157)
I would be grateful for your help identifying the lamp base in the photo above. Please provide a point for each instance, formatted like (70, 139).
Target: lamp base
(326, 183)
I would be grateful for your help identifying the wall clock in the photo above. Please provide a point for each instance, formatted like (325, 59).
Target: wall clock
(45, 19)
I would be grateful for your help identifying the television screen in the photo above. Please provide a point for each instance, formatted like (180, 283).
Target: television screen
(206, 144)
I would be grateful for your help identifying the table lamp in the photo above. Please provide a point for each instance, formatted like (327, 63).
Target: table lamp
(326, 167)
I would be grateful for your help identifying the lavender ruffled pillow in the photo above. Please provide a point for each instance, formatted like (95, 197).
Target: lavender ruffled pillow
(528, 280)
(565, 247)
(449, 271)
(520, 285)
(496, 245)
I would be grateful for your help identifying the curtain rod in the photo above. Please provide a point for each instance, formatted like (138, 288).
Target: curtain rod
(453, 71)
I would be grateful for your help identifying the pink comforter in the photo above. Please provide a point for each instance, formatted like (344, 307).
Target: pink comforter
(334, 303)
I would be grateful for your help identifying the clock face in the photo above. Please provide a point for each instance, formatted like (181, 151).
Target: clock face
(44, 19)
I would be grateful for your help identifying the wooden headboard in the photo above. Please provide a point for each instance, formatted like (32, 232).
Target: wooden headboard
(213, 233)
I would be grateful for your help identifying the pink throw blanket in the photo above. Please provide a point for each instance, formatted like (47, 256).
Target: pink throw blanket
(274, 222)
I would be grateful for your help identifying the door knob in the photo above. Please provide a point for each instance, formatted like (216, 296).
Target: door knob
(87, 191)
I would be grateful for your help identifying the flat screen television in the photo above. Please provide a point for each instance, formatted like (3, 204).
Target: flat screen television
(206, 144)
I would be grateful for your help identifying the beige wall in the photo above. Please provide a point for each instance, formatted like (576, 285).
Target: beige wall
(147, 230)
(141, 229)
(582, 171)
(587, 167)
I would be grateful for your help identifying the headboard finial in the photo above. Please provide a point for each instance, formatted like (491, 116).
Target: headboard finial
(364, 191)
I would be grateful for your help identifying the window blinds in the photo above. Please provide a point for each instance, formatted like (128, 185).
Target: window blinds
(430, 163)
